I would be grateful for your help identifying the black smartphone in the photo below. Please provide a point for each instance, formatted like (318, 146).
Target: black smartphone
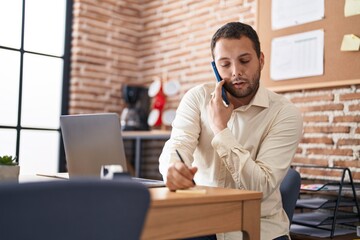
(218, 78)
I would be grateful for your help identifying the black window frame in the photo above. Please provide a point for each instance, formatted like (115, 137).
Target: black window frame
(65, 82)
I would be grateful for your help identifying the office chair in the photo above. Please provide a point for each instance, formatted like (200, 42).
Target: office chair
(290, 189)
(73, 210)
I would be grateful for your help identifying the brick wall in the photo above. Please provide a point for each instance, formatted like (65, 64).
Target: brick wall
(133, 41)
(331, 131)
(104, 53)
(176, 38)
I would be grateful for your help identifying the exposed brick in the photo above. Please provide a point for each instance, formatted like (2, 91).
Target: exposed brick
(104, 54)
(324, 89)
(342, 163)
(349, 96)
(354, 107)
(316, 118)
(325, 97)
(342, 142)
(356, 176)
(321, 172)
(323, 108)
(327, 129)
(299, 150)
(310, 161)
(347, 119)
(357, 130)
(250, 15)
(325, 151)
(324, 140)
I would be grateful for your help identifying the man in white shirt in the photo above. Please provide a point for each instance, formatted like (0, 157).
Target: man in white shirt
(248, 144)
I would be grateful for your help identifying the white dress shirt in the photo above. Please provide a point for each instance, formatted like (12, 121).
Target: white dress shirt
(254, 152)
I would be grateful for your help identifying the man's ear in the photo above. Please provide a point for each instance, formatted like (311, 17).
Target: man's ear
(262, 60)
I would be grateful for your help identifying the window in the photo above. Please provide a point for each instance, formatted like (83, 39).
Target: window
(34, 80)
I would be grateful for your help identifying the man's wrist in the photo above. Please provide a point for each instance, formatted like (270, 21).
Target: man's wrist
(217, 130)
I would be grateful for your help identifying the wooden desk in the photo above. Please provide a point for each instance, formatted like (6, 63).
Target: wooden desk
(138, 136)
(179, 215)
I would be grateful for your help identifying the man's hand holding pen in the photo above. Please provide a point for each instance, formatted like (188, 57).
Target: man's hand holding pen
(180, 176)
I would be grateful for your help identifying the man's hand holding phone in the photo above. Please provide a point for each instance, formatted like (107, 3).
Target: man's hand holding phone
(218, 79)
(218, 114)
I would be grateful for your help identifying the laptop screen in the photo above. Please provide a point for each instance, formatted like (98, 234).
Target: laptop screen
(90, 141)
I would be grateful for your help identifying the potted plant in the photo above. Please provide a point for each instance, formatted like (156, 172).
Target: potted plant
(9, 169)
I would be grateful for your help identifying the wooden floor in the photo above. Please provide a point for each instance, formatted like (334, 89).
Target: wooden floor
(305, 237)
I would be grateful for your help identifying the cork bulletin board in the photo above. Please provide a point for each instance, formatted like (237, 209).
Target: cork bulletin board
(340, 67)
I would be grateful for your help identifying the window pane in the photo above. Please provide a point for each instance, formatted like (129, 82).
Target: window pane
(9, 86)
(45, 26)
(39, 151)
(10, 23)
(42, 87)
(7, 142)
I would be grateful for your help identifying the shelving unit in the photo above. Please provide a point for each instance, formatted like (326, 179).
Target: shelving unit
(323, 214)
(138, 137)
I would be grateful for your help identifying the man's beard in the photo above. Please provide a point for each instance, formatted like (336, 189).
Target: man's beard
(250, 88)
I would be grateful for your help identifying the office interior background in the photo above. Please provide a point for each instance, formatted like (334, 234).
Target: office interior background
(78, 56)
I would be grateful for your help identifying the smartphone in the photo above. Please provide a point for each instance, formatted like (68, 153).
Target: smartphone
(218, 78)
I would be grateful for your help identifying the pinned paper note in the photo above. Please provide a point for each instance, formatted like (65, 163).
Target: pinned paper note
(352, 7)
(306, 58)
(285, 13)
(350, 42)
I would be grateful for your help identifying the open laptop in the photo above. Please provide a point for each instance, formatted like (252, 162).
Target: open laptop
(94, 140)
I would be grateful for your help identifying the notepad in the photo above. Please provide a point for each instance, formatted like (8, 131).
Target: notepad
(192, 191)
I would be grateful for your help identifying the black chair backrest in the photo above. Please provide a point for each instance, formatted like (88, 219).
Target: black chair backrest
(76, 209)
(290, 189)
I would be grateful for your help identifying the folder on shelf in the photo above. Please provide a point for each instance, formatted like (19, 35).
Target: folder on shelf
(312, 187)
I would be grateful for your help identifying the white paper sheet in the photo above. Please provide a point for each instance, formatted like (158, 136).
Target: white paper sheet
(285, 13)
(298, 55)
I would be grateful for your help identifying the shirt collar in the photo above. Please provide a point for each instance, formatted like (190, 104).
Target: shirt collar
(261, 99)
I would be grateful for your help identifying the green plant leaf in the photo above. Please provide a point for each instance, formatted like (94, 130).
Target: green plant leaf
(8, 160)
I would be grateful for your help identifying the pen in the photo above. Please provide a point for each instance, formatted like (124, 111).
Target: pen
(181, 159)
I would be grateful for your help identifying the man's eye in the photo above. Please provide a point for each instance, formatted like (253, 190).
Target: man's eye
(225, 65)
(244, 61)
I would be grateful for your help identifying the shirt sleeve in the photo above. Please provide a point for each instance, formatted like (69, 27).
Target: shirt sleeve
(185, 132)
(266, 171)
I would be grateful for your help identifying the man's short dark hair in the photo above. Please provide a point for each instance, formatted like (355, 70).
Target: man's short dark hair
(235, 30)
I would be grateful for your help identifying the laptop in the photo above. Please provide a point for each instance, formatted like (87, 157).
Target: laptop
(94, 140)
